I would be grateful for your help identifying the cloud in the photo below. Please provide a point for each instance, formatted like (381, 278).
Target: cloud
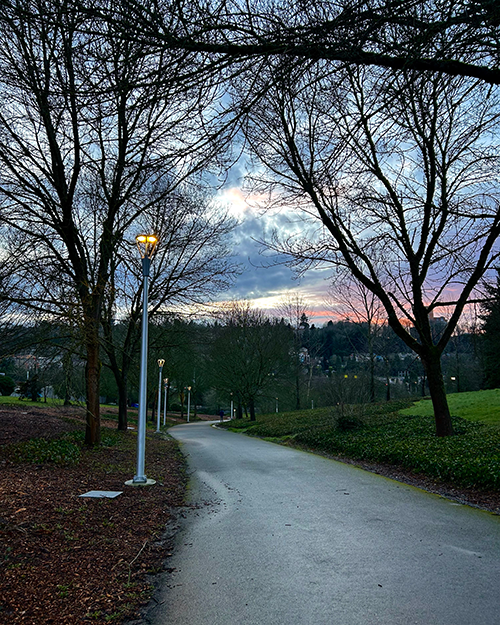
(266, 279)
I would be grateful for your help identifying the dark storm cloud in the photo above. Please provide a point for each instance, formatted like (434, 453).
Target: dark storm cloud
(265, 275)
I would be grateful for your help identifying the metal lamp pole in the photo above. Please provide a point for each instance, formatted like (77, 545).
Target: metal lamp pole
(146, 244)
(165, 385)
(232, 408)
(161, 362)
(189, 401)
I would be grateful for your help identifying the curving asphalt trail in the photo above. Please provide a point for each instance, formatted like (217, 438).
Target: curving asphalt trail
(296, 539)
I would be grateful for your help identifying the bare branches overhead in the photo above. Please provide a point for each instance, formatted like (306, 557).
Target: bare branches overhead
(96, 129)
(459, 38)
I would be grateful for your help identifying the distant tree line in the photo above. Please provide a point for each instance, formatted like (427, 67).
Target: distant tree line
(258, 362)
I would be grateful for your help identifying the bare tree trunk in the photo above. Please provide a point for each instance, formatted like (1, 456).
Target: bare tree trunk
(457, 365)
(153, 407)
(372, 378)
(297, 389)
(122, 403)
(432, 365)
(67, 368)
(252, 410)
(34, 387)
(387, 380)
(309, 380)
(93, 372)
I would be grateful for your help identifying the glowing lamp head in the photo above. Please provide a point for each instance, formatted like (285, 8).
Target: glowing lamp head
(146, 244)
(161, 362)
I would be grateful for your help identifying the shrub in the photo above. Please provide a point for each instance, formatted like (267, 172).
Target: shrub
(40, 450)
(7, 385)
(348, 422)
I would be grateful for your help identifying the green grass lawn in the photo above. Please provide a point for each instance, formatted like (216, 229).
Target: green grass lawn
(9, 399)
(392, 433)
(477, 406)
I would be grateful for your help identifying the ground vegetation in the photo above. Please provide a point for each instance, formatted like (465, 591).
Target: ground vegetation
(67, 559)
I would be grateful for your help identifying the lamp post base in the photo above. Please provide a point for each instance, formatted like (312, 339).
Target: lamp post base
(148, 482)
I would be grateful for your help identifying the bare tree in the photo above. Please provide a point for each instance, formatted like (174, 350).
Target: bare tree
(192, 264)
(397, 34)
(249, 352)
(400, 170)
(89, 121)
(293, 310)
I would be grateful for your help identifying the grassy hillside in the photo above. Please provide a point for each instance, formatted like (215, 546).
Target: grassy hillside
(478, 406)
(382, 433)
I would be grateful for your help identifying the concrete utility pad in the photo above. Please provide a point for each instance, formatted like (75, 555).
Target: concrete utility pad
(99, 494)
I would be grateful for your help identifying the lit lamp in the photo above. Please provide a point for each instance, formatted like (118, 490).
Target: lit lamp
(161, 362)
(189, 401)
(146, 244)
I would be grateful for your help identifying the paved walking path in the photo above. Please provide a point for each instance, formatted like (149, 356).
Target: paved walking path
(296, 539)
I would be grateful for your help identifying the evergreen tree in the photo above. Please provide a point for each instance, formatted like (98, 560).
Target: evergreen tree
(491, 335)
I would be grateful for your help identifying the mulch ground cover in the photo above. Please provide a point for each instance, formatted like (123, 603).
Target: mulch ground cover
(64, 559)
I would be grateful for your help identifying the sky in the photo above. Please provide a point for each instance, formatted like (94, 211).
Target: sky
(264, 282)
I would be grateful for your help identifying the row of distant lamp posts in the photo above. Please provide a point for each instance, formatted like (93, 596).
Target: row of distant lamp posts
(165, 388)
(161, 362)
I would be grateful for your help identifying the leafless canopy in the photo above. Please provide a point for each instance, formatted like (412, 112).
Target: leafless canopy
(399, 169)
(422, 35)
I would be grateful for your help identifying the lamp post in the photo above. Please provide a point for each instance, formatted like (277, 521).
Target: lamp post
(189, 401)
(146, 244)
(232, 404)
(277, 404)
(161, 362)
(165, 385)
